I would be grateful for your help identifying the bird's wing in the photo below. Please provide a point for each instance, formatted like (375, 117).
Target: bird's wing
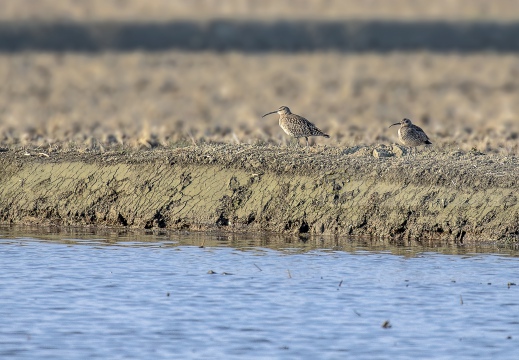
(314, 130)
(421, 132)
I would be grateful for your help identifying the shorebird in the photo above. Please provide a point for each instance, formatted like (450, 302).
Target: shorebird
(295, 125)
(410, 134)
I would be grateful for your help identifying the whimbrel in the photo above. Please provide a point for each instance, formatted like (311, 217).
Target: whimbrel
(295, 125)
(410, 134)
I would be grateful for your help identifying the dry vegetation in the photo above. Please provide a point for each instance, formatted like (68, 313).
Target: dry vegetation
(162, 99)
(163, 10)
(100, 100)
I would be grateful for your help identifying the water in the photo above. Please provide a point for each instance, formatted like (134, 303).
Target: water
(72, 296)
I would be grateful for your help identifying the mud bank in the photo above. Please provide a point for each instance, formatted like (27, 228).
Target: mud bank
(377, 191)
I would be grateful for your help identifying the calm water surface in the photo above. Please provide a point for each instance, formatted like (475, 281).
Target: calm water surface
(73, 296)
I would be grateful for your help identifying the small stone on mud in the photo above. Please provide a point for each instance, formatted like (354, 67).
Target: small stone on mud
(399, 151)
(351, 150)
(381, 153)
(456, 153)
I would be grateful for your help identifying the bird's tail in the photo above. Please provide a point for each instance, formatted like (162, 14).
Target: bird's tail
(326, 136)
(428, 142)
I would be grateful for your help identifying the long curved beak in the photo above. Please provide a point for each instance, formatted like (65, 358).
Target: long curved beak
(273, 112)
(395, 124)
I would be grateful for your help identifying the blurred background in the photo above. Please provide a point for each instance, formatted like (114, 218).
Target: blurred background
(100, 74)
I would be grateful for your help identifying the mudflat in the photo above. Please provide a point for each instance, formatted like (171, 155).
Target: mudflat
(378, 190)
(149, 116)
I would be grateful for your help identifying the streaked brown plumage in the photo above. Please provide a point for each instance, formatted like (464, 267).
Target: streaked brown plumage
(410, 134)
(295, 125)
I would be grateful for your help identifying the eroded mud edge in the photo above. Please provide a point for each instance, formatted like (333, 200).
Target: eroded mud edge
(160, 194)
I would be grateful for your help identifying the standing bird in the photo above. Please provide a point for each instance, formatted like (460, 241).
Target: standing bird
(410, 134)
(295, 125)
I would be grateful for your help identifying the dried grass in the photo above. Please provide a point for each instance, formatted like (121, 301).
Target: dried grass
(169, 99)
(160, 10)
(161, 99)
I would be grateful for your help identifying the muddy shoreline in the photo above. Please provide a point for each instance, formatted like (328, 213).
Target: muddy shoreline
(460, 197)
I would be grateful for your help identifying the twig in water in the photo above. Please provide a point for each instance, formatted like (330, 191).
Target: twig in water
(289, 275)
(387, 325)
(258, 267)
(461, 300)
(340, 283)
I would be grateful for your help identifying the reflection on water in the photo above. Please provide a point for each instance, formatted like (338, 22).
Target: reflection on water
(160, 238)
(80, 294)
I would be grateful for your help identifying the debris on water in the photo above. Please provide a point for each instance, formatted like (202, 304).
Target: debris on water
(289, 275)
(511, 284)
(211, 272)
(386, 325)
(258, 267)
(167, 294)
(509, 337)
(340, 283)
(461, 300)
(226, 273)
(357, 313)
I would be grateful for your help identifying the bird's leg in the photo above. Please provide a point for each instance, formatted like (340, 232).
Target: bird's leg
(290, 142)
(306, 137)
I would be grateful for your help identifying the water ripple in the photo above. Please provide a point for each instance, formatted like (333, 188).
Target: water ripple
(92, 298)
